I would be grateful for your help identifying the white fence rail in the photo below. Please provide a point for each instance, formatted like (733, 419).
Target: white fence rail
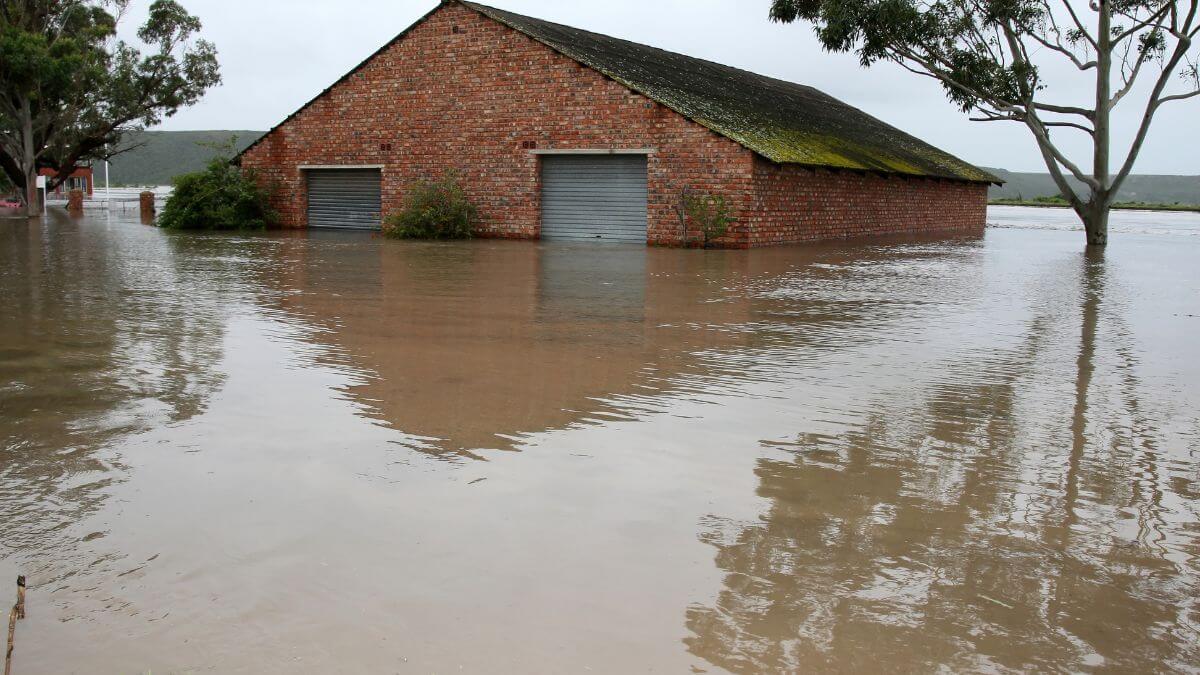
(117, 199)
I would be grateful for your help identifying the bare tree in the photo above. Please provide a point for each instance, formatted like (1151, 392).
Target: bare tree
(990, 56)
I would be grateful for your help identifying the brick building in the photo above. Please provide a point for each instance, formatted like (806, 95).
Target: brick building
(80, 179)
(559, 133)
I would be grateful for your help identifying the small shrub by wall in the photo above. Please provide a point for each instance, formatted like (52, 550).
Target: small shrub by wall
(434, 210)
(711, 214)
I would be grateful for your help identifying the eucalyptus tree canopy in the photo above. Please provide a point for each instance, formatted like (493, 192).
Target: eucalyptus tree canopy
(990, 55)
(69, 89)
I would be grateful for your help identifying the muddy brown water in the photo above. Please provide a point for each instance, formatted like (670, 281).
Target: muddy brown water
(331, 453)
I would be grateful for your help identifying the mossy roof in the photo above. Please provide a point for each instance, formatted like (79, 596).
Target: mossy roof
(784, 122)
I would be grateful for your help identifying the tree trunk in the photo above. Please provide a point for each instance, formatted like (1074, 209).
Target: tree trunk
(1095, 223)
(33, 202)
(1095, 220)
(33, 205)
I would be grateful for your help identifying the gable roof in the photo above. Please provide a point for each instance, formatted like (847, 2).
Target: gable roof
(784, 122)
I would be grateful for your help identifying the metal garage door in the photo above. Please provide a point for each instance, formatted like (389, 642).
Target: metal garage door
(594, 197)
(344, 198)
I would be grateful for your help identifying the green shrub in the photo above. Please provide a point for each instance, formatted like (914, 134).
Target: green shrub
(221, 197)
(711, 213)
(434, 210)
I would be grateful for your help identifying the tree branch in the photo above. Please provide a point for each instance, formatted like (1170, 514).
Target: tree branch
(1155, 101)
(1038, 127)
(1178, 97)
(1079, 24)
(1020, 118)
(1080, 64)
(1143, 56)
(1154, 18)
(1059, 179)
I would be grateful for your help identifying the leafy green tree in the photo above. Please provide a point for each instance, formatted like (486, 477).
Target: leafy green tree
(221, 197)
(990, 56)
(69, 89)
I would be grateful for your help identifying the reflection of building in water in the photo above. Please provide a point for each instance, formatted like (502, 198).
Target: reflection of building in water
(592, 284)
(999, 516)
(474, 344)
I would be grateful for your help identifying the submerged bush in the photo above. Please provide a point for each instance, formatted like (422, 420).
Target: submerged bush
(221, 197)
(434, 210)
(711, 213)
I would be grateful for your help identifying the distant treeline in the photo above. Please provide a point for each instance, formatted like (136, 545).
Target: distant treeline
(157, 157)
(1145, 188)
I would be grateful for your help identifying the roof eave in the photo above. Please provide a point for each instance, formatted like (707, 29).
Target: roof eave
(988, 180)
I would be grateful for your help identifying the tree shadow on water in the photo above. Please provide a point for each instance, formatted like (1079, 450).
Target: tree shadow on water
(990, 515)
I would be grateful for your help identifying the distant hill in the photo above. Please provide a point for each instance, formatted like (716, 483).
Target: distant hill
(162, 155)
(1145, 188)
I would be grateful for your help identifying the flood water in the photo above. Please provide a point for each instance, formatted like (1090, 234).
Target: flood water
(332, 453)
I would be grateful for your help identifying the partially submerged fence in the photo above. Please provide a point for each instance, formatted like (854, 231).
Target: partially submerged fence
(124, 199)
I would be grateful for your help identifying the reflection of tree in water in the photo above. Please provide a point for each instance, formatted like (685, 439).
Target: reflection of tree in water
(997, 516)
(106, 332)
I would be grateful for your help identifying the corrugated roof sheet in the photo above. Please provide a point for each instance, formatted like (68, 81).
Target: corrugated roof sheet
(785, 122)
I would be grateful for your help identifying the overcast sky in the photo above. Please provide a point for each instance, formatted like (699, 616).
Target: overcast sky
(277, 54)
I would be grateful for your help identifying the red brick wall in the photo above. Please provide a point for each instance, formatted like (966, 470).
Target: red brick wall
(794, 204)
(83, 172)
(463, 92)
